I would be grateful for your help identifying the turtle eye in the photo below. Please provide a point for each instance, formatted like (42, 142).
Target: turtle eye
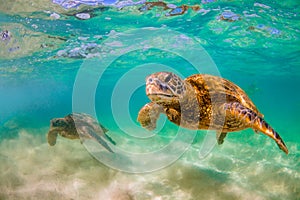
(150, 80)
(58, 122)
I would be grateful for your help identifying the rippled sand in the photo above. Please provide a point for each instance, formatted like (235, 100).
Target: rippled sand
(30, 169)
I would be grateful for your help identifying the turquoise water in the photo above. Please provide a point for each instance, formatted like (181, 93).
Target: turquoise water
(253, 44)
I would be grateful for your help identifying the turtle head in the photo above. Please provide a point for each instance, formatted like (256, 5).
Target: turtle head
(165, 87)
(59, 124)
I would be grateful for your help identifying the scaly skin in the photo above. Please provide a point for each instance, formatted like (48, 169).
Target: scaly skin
(202, 102)
(252, 120)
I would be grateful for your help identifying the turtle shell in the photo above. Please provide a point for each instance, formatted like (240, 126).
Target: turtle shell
(220, 90)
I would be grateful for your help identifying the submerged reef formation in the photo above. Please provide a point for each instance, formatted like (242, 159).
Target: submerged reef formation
(265, 30)
(70, 4)
(174, 10)
(229, 16)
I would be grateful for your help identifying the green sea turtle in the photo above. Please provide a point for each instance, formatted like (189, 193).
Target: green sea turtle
(78, 126)
(202, 101)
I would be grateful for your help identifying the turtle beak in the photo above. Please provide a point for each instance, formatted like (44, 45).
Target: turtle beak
(150, 89)
(150, 85)
(54, 122)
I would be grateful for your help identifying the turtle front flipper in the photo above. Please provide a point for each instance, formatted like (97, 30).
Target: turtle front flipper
(149, 114)
(247, 118)
(51, 137)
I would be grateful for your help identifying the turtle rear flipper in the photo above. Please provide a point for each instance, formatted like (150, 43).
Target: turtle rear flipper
(89, 133)
(110, 139)
(220, 137)
(252, 120)
(105, 130)
(103, 143)
(51, 137)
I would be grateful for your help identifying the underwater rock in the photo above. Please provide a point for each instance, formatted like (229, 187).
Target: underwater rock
(5, 35)
(18, 41)
(265, 29)
(69, 4)
(229, 16)
(262, 5)
(8, 43)
(182, 9)
(122, 4)
(207, 1)
(55, 16)
(171, 6)
(12, 49)
(150, 5)
(174, 10)
(178, 11)
(83, 16)
(88, 50)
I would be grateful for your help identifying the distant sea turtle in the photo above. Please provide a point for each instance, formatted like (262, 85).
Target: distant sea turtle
(202, 101)
(78, 126)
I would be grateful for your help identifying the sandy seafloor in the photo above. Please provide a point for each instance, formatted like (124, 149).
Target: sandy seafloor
(257, 48)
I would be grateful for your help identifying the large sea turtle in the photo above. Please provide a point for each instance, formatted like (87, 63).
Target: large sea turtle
(202, 101)
(78, 126)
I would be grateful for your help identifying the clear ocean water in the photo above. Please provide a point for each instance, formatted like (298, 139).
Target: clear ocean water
(59, 57)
